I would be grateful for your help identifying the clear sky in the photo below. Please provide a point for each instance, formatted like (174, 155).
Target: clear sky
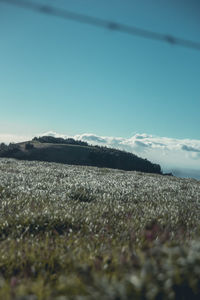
(69, 77)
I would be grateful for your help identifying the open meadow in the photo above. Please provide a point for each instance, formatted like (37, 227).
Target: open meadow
(78, 232)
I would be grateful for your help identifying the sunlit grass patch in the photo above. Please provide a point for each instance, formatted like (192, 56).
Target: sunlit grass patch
(71, 232)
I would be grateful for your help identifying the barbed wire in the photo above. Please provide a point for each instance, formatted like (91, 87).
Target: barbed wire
(98, 22)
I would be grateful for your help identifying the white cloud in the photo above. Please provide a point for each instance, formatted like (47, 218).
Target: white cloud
(190, 148)
(181, 156)
(13, 138)
(53, 134)
(170, 153)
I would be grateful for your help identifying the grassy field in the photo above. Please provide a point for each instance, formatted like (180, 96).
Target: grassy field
(72, 232)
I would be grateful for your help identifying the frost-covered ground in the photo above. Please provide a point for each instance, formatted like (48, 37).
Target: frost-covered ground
(79, 232)
(146, 196)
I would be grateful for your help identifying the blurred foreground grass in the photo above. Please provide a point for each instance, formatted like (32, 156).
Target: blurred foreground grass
(71, 232)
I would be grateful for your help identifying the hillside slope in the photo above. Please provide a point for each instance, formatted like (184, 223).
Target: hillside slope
(77, 153)
(77, 232)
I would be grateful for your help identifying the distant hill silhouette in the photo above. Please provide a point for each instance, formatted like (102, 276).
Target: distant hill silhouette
(70, 151)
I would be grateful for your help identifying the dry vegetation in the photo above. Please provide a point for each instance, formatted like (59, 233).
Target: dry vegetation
(72, 232)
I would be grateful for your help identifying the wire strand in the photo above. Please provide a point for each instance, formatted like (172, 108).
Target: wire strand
(97, 22)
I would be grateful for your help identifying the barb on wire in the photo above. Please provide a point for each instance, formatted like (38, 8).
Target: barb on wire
(94, 21)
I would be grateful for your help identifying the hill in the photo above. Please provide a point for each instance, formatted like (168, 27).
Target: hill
(69, 151)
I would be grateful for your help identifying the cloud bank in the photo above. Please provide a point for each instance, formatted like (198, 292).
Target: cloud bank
(181, 156)
(14, 138)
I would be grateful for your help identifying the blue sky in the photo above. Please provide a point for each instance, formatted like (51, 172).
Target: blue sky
(75, 79)
(65, 76)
